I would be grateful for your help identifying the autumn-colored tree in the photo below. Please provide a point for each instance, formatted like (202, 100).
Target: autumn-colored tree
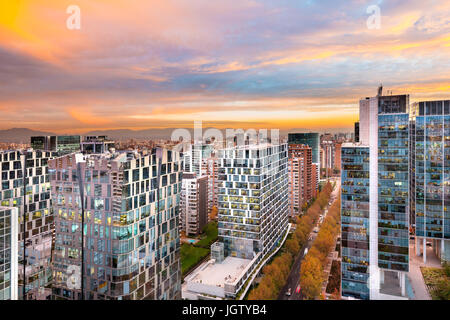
(275, 274)
(213, 213)
(314, 252)
(264, 291)
(311, 277)
(300, 236)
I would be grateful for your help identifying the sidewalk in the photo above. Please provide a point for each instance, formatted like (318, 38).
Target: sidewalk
(415, 275)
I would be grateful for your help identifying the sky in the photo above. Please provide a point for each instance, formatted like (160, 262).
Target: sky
(139, 64)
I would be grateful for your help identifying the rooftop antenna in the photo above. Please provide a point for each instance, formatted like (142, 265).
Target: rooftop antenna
(380, 90)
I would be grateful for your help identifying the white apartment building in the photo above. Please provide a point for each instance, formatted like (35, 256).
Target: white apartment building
(193, 204)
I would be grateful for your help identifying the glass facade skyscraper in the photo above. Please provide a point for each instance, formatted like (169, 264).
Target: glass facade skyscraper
(68, 144)
(9, 230)
(432, 174)
(375, 181)
(393, 192)
(311, 139)
(31, 195)
(355, 221)
(253, 198)
(131, 238)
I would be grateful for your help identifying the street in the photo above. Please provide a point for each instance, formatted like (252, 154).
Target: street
(293, 280)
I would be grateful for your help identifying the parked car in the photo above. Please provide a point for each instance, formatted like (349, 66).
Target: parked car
(288, 293)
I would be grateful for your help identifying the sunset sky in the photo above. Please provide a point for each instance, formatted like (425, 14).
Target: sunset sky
(244, 63)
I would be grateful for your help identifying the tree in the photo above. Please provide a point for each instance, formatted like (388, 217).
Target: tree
(292, 247)
(213, 213)
(274, 273)
(264, 291)
(310, 286)
(311, 277)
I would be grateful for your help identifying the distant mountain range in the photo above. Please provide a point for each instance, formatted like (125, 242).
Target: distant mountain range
(22, 135)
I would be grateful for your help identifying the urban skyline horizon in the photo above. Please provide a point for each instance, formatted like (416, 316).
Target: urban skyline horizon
(256, 64)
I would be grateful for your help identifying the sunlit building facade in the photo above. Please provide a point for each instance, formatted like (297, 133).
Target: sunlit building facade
(9, 230)
(301, 176)
(311, 139)
(384, 133)
(253, 198)
(193, 204)
(431, 142)
(355, 220)
(35, 205)
(131, 239)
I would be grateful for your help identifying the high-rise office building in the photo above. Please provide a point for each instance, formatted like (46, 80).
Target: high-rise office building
(68, 144)
(356, 132)
(355, 220)
(193, 204)
(328, 152)
(47, 143)
(210, 169)
(9, 229)
(33, 204)
(384, 132)
(337, 155)
(311, 139)
(62, 144)
(431, 176)
(201, 159)
(253, 198)
(131, 246)
(193, 158)
(96, 144)
(301, 177)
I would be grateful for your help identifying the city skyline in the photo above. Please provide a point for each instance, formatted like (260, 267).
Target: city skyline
(244, 151)
(257, 64)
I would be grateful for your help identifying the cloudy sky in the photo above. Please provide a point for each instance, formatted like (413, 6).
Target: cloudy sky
(246, 63)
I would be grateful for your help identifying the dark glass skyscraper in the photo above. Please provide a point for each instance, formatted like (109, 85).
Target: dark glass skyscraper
(393, 181)
(311, 139)
(375, 173)
(432, 175)
(355, 221)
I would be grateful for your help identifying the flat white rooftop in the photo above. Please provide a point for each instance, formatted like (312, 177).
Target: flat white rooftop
(217, 274)
(354, 145)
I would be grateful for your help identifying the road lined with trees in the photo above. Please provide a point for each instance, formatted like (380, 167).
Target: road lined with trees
(312, 267)
(280, 271)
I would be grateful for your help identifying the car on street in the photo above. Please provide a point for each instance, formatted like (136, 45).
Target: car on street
(288, 293)
(298, 289)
